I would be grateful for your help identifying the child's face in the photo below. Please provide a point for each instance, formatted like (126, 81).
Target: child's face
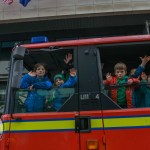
(120, 73)
(59, 82)
(144, 76)
(40, 71)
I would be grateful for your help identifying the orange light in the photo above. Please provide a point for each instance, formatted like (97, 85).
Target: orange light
(92, 144)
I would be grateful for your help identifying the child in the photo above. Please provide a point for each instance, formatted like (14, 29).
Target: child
(136, 72)
(59, 82)
(145, 89)
(35, 80)
(138, 97)
(121, 95)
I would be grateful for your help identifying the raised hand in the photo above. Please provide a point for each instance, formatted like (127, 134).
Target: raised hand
(32, 73)
(144, 60)
(108, 76)
(68, 58)
(73, 72)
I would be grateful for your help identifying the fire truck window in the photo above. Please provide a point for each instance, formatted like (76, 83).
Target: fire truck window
(125, 79)
(53, 100)
(53, 91)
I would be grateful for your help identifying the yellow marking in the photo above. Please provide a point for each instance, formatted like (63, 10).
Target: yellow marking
(70, 124)
(43, 125)
(6, 126)
(96, 123)
(127, 122)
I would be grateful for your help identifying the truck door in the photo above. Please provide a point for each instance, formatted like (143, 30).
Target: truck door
(89, 123)
(125, 127)
(51, 128)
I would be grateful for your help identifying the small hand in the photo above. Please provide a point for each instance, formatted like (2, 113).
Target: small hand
(73, 72)
(32, 73)
(108, 76)
(130, 81)
(68, 58)
(62, 72)
(31, 87)
(144, 60)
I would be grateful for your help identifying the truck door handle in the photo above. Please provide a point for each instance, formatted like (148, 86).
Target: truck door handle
(82, 124)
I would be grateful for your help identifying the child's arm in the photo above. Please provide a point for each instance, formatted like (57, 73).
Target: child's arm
(26, 81)
(72, 80)
(68, 62)
(108, 79)
(133, 81)
(141, 67)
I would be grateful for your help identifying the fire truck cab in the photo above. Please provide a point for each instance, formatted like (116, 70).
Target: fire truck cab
(88, 119)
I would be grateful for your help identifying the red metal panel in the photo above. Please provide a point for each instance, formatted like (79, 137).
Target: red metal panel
(40, 139)
(126, 137)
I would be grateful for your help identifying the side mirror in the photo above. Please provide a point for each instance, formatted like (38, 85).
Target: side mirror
(18, 52)
(17, 73)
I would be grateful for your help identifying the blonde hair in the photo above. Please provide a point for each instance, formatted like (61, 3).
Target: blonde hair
(120, 66)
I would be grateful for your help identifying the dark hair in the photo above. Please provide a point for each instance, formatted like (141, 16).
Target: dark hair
(120, 66)
(38, 65)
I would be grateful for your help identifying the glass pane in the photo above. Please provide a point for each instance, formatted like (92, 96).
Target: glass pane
(50, 83)
(42, 100)
(126, 74)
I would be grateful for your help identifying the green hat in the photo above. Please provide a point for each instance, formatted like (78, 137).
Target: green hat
(58, 76)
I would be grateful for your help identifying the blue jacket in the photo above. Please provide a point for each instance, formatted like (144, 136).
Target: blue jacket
(138, 72)
(35, 102)
(145, 89)
(137, 95)
(58, 97)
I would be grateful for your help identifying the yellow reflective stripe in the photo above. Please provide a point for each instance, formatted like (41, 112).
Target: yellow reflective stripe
(51, 125)
(96, 123)
(43, 125)
(70, 124)
(126, 122)
(4, 126)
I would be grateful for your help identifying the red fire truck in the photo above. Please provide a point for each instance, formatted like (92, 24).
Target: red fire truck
(88, 119)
